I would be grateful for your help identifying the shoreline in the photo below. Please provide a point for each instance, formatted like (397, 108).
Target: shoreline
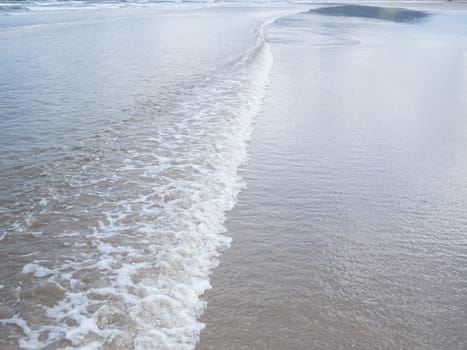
(332, 236)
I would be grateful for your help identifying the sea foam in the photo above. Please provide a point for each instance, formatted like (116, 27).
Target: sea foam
(137, 278)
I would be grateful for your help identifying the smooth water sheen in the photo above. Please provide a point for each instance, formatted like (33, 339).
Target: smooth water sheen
(352, 231)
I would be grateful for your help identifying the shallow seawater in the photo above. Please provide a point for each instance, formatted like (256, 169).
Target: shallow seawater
(352, 231)
(128, 130)
(121, 134)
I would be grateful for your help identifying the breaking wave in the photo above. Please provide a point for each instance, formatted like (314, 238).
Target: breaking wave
(154, 222)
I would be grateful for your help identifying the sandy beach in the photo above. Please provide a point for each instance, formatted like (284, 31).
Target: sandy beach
(351, 231)
(233, 175)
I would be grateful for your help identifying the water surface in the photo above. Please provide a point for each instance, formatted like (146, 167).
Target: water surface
(352, 232)
(121, 133)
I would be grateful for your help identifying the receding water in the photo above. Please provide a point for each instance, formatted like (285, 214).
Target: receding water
(352, 232)
(124, 134)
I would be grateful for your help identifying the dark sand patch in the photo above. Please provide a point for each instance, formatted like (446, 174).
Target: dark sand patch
(382, 13)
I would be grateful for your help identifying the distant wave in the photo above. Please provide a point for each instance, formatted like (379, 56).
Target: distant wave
(13, 6)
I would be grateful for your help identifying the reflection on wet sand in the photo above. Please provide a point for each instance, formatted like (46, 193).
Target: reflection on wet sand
(383, 13)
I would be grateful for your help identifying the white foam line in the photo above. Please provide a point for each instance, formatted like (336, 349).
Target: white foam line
(149, 259)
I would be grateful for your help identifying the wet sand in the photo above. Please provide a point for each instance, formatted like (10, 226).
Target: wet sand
(351, 232)
(373, 12)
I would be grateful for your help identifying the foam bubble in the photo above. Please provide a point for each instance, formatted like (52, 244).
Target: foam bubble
(37, 270)
(135, 279)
